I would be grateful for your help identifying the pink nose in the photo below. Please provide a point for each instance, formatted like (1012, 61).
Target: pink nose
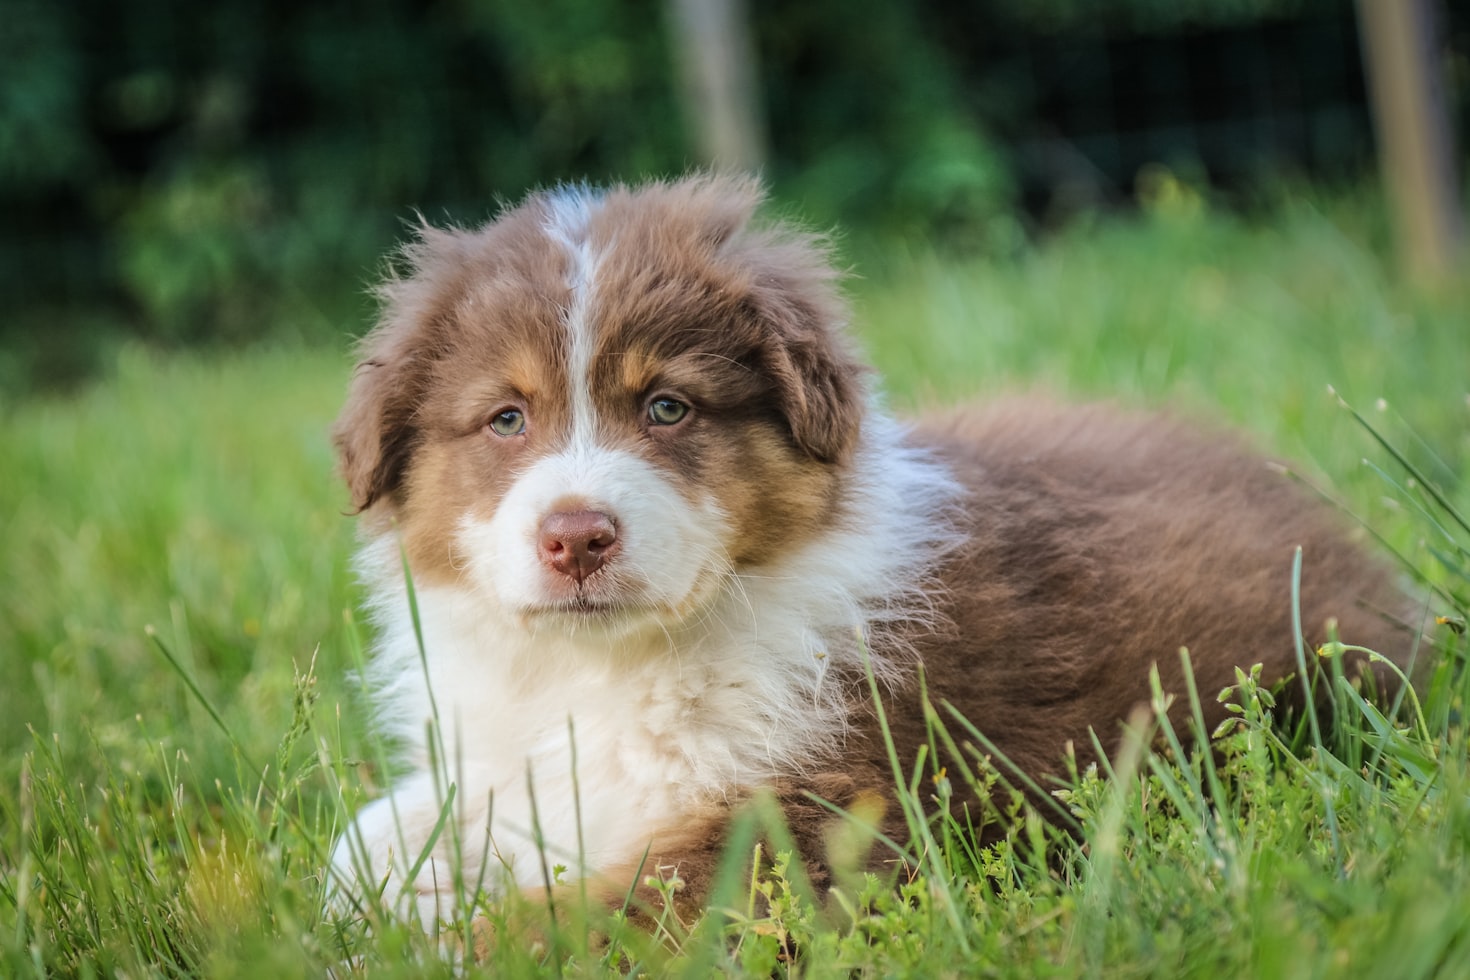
(577, 543)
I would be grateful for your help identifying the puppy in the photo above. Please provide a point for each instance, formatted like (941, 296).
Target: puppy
(635, 529)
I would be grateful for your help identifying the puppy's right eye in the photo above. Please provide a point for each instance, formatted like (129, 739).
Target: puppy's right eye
(511, 422)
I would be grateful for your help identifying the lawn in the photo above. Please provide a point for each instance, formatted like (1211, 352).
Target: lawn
(180, 736)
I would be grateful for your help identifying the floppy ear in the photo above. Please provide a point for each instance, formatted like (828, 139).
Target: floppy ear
(376, 433)
(821, 384)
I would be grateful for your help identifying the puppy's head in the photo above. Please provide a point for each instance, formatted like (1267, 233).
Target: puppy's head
(601, 405)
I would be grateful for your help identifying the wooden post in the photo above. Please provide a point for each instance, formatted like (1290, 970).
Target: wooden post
(717, 70)
(1415, 142)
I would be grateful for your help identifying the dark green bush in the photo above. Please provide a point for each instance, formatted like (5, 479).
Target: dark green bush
(189, 172)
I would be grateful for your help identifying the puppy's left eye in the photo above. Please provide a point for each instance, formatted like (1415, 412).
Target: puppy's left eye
(666, 411)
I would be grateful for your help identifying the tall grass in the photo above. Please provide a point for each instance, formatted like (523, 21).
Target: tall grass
(180, 740)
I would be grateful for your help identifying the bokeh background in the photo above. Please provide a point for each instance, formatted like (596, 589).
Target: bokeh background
(232, 171)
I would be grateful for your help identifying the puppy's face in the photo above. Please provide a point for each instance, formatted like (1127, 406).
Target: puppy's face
(598, 408)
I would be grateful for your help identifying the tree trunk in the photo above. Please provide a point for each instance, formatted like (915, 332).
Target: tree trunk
(1415, 142)
(718, 77)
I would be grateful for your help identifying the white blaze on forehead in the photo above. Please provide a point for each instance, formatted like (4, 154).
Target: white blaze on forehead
(569, 212)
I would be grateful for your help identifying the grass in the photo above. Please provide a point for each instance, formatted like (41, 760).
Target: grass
(183, 509)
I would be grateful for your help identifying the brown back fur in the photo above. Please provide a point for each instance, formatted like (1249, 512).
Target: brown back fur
(1098, 543)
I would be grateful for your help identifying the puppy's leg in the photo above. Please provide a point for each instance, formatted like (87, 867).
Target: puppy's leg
(701, 855)
(408, 833)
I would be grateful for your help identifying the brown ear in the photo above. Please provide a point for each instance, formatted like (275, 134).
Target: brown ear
(376, 433)
(820, 382)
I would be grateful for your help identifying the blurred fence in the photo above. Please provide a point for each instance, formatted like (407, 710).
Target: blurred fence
(1233, 104)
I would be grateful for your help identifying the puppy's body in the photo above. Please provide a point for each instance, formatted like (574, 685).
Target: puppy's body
(655, 523)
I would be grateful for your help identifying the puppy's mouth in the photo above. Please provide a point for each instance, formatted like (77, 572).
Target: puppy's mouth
(580, 605)
(618, 609)
(591, 618)
(586, 602)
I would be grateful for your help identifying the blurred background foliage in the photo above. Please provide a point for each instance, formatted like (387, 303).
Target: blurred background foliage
(230, 171)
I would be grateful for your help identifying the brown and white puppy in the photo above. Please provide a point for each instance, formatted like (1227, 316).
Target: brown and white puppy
(653, 515)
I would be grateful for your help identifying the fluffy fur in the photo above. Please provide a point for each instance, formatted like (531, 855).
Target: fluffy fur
(655, 520)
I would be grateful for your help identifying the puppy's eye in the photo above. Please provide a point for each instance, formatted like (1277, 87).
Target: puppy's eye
(511, 422)
(666, 411)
